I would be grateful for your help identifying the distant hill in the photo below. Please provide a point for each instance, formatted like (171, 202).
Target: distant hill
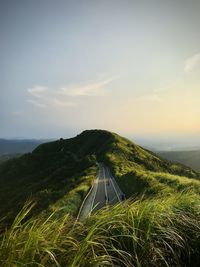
(18, 146)
(55, 169)
(189, 158)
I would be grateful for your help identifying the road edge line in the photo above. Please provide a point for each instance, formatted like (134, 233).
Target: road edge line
(81, 207)
(105, 187)
(92, 203)
(114, 185)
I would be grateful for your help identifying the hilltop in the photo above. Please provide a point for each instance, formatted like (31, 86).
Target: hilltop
(107, 145)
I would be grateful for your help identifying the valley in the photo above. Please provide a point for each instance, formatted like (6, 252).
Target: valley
(189, 157)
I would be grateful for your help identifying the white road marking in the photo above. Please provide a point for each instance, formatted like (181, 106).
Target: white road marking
(97, 182)
(92, 202)
(114, 188)
(106, 192)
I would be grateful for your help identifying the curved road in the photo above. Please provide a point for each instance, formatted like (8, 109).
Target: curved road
(105, 191)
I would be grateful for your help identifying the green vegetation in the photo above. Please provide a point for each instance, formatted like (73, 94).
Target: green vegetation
(139, 171)
(158, 226)
(6, 157)
(161, 232)
(49, 176)
(155, 183)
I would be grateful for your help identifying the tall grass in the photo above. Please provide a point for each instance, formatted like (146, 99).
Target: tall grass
(33, 242)
(137, 182)
(162, 232)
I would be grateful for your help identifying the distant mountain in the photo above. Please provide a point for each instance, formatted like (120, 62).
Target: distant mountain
(169, 143)
(21, 146)
(189, 158)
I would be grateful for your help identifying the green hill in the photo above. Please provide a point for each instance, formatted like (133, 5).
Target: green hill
(158, 226)
(47, 175)
(60, 173)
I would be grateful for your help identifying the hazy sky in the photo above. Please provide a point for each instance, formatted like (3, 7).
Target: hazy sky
(132, 67)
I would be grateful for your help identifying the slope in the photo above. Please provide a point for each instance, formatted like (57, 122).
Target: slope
(55, 170)
(159, 228)
(52, 178)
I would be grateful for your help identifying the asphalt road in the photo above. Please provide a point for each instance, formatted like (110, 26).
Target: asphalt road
(105, 191)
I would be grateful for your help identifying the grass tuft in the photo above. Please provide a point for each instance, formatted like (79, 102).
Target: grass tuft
(162, 232)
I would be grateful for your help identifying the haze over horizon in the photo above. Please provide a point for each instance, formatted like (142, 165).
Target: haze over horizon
(131, 67)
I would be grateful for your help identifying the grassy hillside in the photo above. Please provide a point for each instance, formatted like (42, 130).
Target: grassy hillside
(189, 158)
(52, 177)
(54, 169)
(111, 147)
(140, 171)
(160, 232)
(158, 226)
(6, 157)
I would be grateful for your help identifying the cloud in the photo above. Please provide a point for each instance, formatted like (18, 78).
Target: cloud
(63, 97)
(192, 63)
(92, 89)
(38, 91)
(37, 103)
(44, 97)
(60, 103)
(50, 102)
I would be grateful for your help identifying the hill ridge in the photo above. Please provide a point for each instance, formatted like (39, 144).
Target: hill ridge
(65, 169)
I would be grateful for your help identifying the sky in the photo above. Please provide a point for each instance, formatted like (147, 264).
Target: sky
(132, 67)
